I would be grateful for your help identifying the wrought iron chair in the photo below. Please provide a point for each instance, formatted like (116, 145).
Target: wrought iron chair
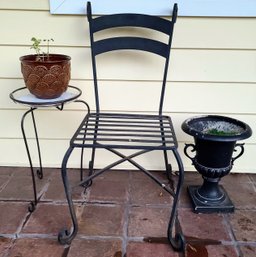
(117, 132)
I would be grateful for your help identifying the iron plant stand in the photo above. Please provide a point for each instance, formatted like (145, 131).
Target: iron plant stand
(215, 141)
(22, 96)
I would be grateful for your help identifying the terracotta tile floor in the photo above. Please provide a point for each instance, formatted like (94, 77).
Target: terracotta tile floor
(118, 214)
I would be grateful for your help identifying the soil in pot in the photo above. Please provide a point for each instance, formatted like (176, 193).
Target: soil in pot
(221, 128)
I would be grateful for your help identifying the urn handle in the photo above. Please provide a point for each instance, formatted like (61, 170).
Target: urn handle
(191, 150)
(240, 153)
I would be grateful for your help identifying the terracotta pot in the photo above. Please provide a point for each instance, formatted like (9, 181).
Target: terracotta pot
(48, 77)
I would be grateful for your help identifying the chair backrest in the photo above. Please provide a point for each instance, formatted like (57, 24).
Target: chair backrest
(157, 47)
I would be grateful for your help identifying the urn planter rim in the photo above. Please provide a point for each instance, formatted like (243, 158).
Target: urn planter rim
(199, 127)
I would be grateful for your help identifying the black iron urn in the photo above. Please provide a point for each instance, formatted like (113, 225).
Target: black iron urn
(215, 142)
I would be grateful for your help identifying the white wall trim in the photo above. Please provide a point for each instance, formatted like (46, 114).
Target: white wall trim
(226, 8)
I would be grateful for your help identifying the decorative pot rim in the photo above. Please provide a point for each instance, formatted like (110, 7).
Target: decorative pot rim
(216, 128)
(55, 58)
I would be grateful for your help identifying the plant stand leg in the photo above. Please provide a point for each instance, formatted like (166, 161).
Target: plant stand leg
(39, 171)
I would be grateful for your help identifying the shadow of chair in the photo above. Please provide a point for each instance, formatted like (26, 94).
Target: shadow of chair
(117, 132)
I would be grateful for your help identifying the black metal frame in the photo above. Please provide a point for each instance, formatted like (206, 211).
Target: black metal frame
(34, 105)
(119, 131)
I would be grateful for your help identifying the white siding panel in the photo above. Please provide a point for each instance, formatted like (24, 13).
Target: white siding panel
(53, 151)
(185, 97)
(13, 152)
(215, 65)
(80, 62)
(182, 102)
(57, 125)
(7, 86)
(180, 97)
(186, 65)
(198, 97)
(18, 27)
(206, 33)
(25, 5)
(229, 33)
(51, 124)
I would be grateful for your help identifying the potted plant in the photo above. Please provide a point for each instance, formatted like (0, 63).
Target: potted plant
(215, 141)
(45, 75)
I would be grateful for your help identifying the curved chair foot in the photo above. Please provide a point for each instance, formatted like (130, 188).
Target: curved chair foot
(87, 184)
(178, 242)
(39, 173)
(169, 171)
(31, 207)
(66, 237)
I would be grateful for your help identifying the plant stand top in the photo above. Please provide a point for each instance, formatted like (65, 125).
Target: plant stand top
(23, 96)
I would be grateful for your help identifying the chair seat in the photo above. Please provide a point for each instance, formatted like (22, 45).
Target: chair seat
(125, 131)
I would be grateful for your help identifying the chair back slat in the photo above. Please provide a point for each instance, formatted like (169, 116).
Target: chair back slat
(132, 43)
(140, 42)
(131, 20)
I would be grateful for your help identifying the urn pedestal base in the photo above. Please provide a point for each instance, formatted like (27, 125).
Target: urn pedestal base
(202, 204)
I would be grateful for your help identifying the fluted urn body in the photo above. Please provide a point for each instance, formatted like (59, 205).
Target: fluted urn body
(215, 140)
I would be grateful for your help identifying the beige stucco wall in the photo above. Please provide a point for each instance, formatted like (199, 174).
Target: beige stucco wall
(213, 71)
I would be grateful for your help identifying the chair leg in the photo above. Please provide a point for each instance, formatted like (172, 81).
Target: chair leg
(81, 164)
(82, 150)
(91, 164)
(89, 183)
(65, 236)
(177, 241)
(168, 166)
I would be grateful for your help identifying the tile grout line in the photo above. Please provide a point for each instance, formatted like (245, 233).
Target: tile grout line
(251, 179)
(17, 234)
(254, 186)
(6, 182)
(126, 217)
(232, 235)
